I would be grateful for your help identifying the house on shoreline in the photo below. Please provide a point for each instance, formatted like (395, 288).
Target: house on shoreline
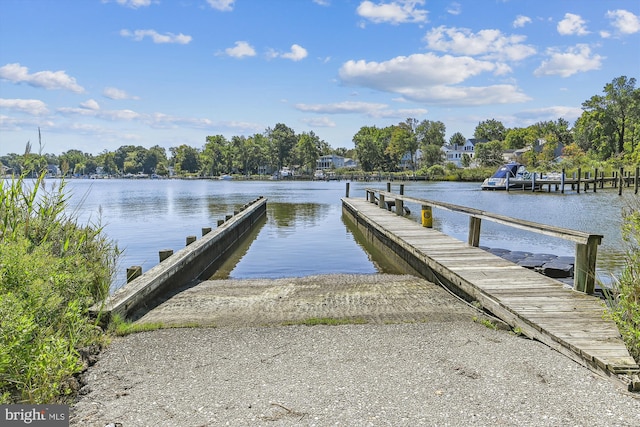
(454, 153)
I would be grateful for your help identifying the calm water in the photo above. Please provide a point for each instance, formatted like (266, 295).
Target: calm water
(304, 232)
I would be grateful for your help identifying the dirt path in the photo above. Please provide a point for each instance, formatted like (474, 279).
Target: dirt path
(374, 298)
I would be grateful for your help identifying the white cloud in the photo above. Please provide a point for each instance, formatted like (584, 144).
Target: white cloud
(90, 104)
(371, 109)
(624, 21)
(342, 107)
(297, 53)
(115, 93)
(319, 122)
(222, 5)
(424, 70)
(322, 2)
(133, 4)
(395, 12)
(430, 78)
(572, 25)
(549, 113)
(113, 115)
(565, 64)
(34, 107)
(486, 43)
(455, 8)
(44, 79)
(521, 21)
(240, 50)
(138, 35)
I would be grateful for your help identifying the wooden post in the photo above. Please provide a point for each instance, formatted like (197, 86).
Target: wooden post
(562, 181)
(191, 239)
(636, 180)
(346, 193)
(584, 275)
(133, 272)
(533, 182)
(579, 176)
(206, 230)
(474, 231)
(220, 222)
(388, 187)
(381, 201)
(399, 207)
(507, 184)
(586, 181)
(402, 189)
(621, 181)
(228, 217)
(595, 180)
(165, 253)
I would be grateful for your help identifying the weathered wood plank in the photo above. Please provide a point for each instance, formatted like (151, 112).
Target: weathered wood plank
(544, 308)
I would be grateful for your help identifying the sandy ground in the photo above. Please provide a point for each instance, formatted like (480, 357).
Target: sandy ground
(420, 360)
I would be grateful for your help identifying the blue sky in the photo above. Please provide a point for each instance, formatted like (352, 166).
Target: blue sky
(98, 74)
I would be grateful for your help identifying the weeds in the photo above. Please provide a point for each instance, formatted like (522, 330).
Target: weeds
(122, 327)
(51, 271)
(625, 300)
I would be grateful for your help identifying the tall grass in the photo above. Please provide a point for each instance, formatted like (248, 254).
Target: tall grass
(52, 269)
(625, 307)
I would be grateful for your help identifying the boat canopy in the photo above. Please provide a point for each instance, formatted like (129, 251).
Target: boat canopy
(510, 168)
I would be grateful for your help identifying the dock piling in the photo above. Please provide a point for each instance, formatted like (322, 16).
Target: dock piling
(164, 254)
(133, 272)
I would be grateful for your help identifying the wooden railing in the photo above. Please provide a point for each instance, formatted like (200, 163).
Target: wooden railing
(586, 243)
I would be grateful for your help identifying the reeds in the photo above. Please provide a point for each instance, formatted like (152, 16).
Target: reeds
(51, 271)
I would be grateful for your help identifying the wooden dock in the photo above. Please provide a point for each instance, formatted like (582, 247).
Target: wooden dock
(566, 320)
(578, 182)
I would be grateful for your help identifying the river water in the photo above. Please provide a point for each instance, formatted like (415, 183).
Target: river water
(304, 232)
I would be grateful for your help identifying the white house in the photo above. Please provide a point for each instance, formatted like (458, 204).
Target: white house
(405, 161)
(454, 152)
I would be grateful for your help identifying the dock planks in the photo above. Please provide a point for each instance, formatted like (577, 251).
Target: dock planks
(541, 307)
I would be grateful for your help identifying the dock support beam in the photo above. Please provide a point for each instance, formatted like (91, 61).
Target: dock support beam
(584, 275)
(474, 231)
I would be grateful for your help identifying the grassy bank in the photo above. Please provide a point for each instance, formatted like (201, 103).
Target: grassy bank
(52, 269)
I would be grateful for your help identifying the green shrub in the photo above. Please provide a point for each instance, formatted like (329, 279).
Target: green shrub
(51, 271)
(626, 306)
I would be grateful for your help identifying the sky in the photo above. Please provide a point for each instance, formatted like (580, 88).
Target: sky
(94, 75)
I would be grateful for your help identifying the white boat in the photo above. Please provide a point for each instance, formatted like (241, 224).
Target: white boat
(511, 175)
(225, 177)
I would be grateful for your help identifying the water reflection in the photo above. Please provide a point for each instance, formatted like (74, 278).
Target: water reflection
(304, 233)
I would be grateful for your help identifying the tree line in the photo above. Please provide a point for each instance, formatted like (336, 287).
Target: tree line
(608, 129)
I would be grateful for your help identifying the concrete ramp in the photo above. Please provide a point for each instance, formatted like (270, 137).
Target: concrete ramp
(373, 298)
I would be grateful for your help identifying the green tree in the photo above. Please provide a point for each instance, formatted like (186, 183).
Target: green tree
(212, 158)
(432, 155)
(308, 149)
(492, 130)
(186, 159)
(430, 132)
(70, 159)
(616, 111)
(282, 139)
(153, 157)
(489, 153)
(369, 148)
(457, 139)
(520, 137)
